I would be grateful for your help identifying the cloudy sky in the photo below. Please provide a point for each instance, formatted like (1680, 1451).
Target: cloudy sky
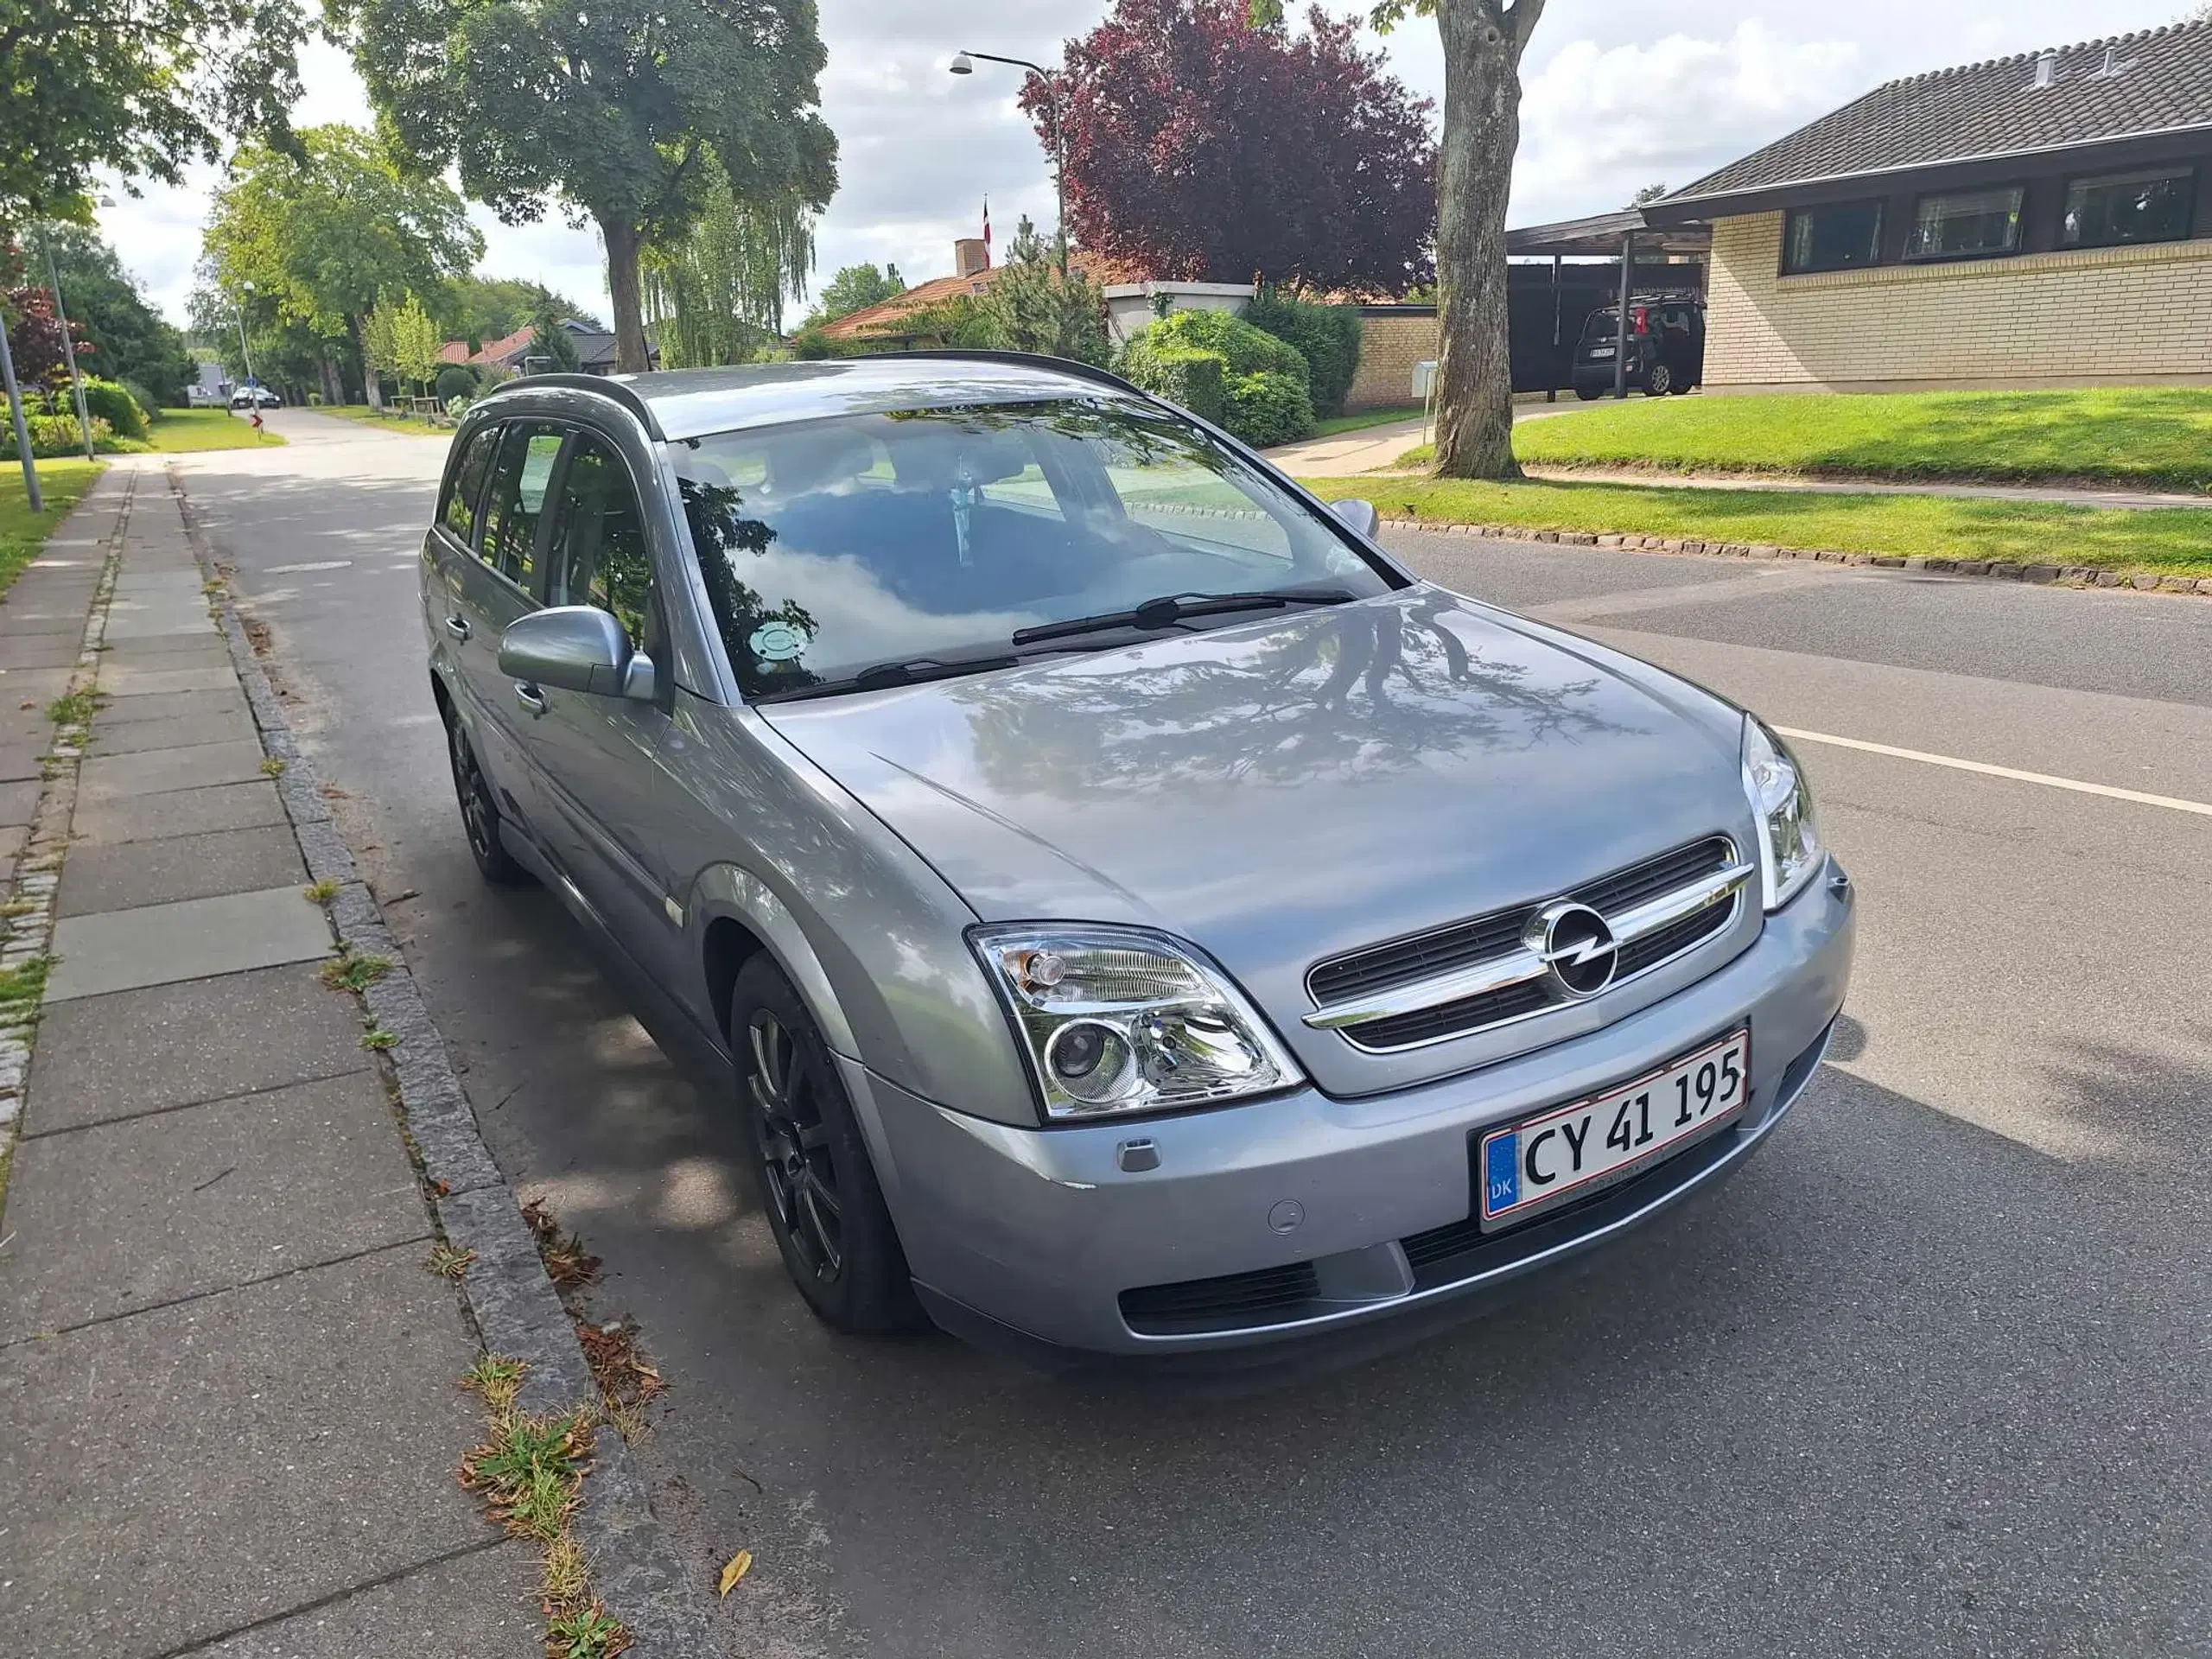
(1617, 94)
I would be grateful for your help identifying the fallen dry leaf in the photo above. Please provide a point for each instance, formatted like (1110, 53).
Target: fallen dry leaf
(737, 1567)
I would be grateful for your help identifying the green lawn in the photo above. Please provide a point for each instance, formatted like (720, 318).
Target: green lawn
(2139, 436)
(2170, 543)
(1340, 423)
(385, 423)
(22, 532)
(180, 431)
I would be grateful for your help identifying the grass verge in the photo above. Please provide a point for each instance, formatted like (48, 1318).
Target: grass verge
(2139, 436)
(383, 422)
(187, 431)
(22, 532)
(1336, 424)
(2175, 543)
(529, 1472)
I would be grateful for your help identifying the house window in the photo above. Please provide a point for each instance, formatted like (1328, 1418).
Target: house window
(1838, 238)
(2153, 206)
(1966, 225)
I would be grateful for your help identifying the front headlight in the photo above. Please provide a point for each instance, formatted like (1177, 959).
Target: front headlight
(1790, 845)
(1115, 1021)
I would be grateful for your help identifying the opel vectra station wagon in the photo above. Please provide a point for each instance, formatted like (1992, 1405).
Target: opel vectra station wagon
(1140, 918)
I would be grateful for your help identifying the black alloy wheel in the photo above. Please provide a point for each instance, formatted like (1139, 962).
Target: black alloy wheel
(1660, 381)
(816, 1185)
(479, 813)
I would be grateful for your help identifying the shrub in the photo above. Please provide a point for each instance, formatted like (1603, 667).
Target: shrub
(1164, 359)
(457, 407)
(55, 436)
(147, 402)
(455, 380)
(1327, 336)
(105, 400)
(1269, 408)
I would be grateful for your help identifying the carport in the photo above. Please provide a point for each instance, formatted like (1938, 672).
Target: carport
(1607, 236)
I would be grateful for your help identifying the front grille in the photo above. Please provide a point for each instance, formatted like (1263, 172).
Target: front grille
(1268, 1296)
(1483, 939)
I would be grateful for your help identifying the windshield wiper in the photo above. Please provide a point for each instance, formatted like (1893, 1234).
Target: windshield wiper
(1170, 608)
(883, 677)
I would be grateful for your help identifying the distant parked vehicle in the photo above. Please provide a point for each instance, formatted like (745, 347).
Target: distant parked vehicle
(1666, 347)
(247, 397)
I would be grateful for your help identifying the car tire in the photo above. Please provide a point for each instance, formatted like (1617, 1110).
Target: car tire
(1588, 394)
(817, 1186)
(479, 813)
(1659, 381)
(1680, 389)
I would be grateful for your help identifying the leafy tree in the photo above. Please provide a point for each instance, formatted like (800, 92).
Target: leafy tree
(286, 354)
(614, 109)
(716, 295)
(1648, 192)
(130, 339)
(143, 88)
(1038, 304)
(855, 289)
(1483, 43)
(415, 342)
(553, 342)
(36, 340)
(1199, 147)
(481, 308)
(329, 234)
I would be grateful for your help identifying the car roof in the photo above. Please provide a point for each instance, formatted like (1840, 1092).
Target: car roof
(680, 403)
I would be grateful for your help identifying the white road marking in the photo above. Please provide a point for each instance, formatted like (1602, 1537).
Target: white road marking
(301, 569)
(2107, 791)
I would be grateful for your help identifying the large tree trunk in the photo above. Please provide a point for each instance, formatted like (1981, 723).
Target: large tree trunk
(371, 389)
(620, 236)
(1483, 41)
(333, 389)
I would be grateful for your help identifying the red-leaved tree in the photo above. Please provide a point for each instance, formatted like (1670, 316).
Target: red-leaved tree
(34, 337)
(1203, 148)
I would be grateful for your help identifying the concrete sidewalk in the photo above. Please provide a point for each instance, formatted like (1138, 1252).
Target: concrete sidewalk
(227, 1378)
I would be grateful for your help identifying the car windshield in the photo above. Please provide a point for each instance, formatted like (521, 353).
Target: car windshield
(833, 546)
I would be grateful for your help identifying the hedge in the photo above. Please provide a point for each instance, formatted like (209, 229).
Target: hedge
(1269, 408)
(1327, 336)
(109, 401)
(1164, 359)
(55, 436)
(455, 380)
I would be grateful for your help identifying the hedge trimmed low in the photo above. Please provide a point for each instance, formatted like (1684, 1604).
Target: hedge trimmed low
(1162, 359)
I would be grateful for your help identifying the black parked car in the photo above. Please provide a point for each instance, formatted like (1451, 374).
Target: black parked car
(1666, 347)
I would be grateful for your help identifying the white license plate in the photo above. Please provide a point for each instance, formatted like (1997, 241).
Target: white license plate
(1535, 1163)
(1601, 351)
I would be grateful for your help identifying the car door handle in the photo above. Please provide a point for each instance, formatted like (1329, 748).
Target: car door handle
(530, 696)
(458, 626)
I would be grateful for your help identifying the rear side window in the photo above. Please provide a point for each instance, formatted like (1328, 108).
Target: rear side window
(519, 481)
(467, 488)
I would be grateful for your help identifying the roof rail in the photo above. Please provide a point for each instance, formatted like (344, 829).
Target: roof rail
(1066, 365)
(606, 386)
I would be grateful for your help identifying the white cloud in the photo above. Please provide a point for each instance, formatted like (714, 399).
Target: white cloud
(1617, 94)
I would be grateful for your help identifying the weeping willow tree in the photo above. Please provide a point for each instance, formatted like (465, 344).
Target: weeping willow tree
(717, 295)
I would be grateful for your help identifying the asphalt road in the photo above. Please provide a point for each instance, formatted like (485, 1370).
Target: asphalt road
(1931, 1377)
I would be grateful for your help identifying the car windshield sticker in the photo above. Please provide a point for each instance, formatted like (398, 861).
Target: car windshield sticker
(779, 642)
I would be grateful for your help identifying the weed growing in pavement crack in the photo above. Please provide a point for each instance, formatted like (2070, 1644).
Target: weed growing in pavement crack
(75, 707)
(530, 1473)
(377, 1039)
(321, 893)
(347, 972)
(274, 766)
(567, 1262)
(448, 1262)
(23, 987)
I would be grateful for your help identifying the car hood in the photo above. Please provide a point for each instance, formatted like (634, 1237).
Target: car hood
(1283, 791)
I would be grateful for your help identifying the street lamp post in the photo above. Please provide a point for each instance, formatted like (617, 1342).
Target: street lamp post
(69, 345)
(22, 427)
(962, 64)
(253, 391)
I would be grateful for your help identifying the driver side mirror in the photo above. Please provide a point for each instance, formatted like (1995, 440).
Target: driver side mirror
(576, 648)
(1360, 516)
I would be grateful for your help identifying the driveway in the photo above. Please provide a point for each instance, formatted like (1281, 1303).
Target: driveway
(1928, 1378)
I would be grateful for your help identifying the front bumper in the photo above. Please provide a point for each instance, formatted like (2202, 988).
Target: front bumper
(1032, 1235)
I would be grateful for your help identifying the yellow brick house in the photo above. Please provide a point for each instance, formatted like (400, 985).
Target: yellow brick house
(2037, 220)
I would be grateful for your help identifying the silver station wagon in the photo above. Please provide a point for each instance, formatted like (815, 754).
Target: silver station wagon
(1138, 916)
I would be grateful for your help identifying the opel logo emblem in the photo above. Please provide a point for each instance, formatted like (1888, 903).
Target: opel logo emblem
(1578, 946)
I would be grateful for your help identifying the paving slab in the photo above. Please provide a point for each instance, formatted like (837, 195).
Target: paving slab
(34, 624)
(34, 686)
(19, 801)
(154, 622)
(185, 812)
(232, 725)
(21, 761)
(156, 944)
(162, 772)
(480, 1605)
(103, 1058)
(136, 710)
(167, 651)
(121, 680)
(228, 1460)
(130, 874)
(39, 651)
(129, 1215)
